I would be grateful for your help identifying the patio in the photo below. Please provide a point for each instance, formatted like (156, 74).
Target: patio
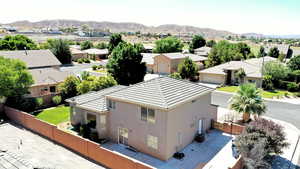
(196, 154)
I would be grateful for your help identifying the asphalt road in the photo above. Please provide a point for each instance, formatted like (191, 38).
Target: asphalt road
(284, 111)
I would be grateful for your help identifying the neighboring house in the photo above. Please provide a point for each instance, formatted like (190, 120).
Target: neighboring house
(285, 49)
(97, 53)
(225, 73)
(296, 52)
(158, 117)
(77, 54)
(167, 63)
(203, 51)
(44, 67)
(148, 48)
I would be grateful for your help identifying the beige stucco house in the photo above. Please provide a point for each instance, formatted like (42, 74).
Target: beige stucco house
(158, 117)
(167, 63)
(225, 73)
(44, 68)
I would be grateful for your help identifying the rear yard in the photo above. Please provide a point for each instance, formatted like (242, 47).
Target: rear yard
(55, 115)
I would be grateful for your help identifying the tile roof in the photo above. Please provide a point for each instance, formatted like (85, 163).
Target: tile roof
(282, 48)
(203, 51)
(178, 55)
(94, 100)
(161, 92)
(252, 67)
(96, 51)
(33, 58)
(148, 58)
(46, 76)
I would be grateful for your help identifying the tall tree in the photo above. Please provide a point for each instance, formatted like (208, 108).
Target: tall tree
(197, 42)
(262, 52)
(14, 77)
(187, 69)
(69, 87)
(18, 42)
(274, 52)
(114, 41)
(248, 101)
(168, 45)
(244, 49)
(211, 43)
(60, 48)
(125, 64)
(86, 45)
(294, 63)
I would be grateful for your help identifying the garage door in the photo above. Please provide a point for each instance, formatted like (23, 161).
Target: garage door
(163, 68)
(210, 78)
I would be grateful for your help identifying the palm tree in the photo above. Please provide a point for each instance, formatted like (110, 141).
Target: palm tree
(248, 101)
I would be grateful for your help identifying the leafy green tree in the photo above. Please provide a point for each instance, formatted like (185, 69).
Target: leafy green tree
(294, 63)
(187, 69)
(175, 75)
(86, 45)
(222, 52)
(268, 83)
(281, 57)
(102, 45)
(274, 52)
(244, 49)
(168, 45)
(85, 86)
(125, 64)
(114, 41)
(211, 43)
(276, 70)
(140, 47)
(197, 42)
(14, 77)
(17, 42)
(56, 99)
(262, 52)
(240, 74)
(60, 48)
(104, 82)
(248, 100)
(69, 87)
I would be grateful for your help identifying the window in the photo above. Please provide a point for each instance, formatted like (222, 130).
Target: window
(111, 104)
(147, 115)
(52, 89)
(152, 142)
(44, 89)
(251, 81)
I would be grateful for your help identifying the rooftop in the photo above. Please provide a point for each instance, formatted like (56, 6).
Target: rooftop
(47, 76)
(94, 51)
(161, 92)
(33, 58)
(252, 67)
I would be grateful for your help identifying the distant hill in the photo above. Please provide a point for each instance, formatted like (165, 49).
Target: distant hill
(124, 27)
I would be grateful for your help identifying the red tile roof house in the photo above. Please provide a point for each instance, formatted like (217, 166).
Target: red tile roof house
(44, 68)
(158, 117)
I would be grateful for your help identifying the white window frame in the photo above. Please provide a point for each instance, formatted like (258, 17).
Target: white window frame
(152, 142)
(149, 120)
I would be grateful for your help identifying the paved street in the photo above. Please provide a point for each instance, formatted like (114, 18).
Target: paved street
(28, 148)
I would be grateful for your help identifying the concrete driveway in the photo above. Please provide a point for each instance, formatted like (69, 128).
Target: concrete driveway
(29, 149)
(196, 154)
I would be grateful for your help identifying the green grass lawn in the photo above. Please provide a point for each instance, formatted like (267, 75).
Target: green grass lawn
(55, 115)
(265, 94)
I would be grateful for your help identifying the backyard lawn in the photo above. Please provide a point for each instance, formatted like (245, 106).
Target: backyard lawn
(265, 94)
(55, 115)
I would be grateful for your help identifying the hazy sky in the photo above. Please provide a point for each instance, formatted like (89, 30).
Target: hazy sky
(238, 16)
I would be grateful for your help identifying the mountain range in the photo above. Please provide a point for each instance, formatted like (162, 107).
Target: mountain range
(124, 27)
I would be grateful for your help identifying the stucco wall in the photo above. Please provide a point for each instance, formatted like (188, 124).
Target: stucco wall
(129, 116)
(162, 64)
(185, 119)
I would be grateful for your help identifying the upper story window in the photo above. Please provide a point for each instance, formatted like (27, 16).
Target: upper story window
(111, 104)
(147, 114)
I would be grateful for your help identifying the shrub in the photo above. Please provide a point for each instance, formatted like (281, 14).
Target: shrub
(267, 83)
(94, 136)
(56, 100)
(84, 131)
(95, 67)
(292, 87)
(87, 60)
(175, 75)
(80, 60)
(39, 102)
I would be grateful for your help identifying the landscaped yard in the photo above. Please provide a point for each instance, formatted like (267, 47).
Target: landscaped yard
(55, 115)
(265, 94)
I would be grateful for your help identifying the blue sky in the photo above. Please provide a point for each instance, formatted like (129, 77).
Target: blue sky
(238, 16)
